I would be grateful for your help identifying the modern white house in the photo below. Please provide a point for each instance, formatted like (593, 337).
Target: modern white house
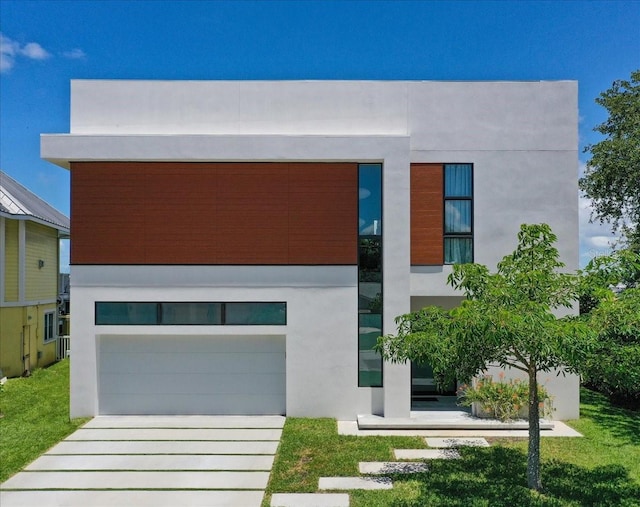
(238, 246)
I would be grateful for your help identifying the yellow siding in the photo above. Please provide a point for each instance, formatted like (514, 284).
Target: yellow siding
(47, 350)
(11, 260)
(42, 245)
(10, 341)
(16, 324)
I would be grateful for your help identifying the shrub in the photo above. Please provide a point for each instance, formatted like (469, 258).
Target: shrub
(613, 367)
(503, 399)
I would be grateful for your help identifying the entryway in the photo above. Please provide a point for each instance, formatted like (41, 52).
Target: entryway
(425, 394)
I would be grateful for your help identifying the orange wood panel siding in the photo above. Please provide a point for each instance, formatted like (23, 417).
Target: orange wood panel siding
(214, 213)
(427, 214)
(323, 207)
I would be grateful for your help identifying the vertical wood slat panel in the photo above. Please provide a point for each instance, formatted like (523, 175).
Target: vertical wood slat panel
(213, 213)
(427, 246)
(323, 213)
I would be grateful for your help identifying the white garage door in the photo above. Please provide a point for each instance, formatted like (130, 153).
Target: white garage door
(191, 375)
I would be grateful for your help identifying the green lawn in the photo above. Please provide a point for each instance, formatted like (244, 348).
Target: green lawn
(603, 468)
(36, 416)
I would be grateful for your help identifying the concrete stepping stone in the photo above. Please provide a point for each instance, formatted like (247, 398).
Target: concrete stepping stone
(78, 447)
(451, 453)
(175, 434)
(138, 480)
(186, 421)
(442, 443)
(391, 467)
(346, 483)
(310, 500)
(152, 462)
(115, 498)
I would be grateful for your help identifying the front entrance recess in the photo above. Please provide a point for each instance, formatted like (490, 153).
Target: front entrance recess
(424, 389)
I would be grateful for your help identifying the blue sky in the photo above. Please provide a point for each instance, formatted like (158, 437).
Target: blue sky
(47, 43)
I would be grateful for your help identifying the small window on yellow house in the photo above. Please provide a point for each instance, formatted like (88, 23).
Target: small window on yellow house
(49, 326)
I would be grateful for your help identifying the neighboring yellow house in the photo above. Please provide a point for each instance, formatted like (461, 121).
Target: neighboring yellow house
(30, 233)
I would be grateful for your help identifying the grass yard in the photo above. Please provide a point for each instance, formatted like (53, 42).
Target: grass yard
(603, 468)
(36, 416)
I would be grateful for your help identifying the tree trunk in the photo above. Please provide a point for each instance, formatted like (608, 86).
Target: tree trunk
(533, 456)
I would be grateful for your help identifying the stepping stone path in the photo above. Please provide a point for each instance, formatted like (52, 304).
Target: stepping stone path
(310, 500)
(441, 443)
(426, 453)
(354, 483)
(391, 467)
(440, 448)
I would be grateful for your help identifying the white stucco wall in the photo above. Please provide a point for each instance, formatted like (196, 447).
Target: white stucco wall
(520, 136)
(322, 354)
(439, 115)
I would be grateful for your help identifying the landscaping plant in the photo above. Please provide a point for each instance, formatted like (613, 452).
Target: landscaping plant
(504, 400)
(610, 304)
(507, 319)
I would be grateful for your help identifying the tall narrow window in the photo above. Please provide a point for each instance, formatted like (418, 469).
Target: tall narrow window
(49, 326)
(458, 213)
(369, 274)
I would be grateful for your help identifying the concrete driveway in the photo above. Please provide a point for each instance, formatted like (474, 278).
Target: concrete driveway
(187, 461)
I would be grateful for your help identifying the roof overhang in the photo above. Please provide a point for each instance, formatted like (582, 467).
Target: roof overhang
(62, 149)
(63, 232)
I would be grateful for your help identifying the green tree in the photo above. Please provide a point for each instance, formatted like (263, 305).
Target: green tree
(613, 366)
(506, 319)
(603, 273)
(612, 176)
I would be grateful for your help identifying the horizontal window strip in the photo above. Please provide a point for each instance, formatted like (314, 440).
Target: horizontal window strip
(120, 313)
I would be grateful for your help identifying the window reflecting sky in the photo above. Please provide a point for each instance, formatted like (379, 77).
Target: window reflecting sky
(370, 194)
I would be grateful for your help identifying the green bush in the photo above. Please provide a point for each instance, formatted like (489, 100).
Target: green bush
(504, 400)
(613, 367)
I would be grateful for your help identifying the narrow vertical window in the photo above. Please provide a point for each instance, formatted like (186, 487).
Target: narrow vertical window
(458, 213)
(49, 326)
(369, 274)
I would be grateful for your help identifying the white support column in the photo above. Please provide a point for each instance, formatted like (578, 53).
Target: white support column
(396, 274)
(84, 351)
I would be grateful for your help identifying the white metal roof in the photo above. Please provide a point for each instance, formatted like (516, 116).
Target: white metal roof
(17, 201)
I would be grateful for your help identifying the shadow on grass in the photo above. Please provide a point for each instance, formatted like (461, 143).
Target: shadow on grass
(497, 477)
(617, 420)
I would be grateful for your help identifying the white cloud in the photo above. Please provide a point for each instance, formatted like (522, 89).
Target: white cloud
(595, 238)
(603, 242)
(10, 50)
(34, 51)
(75, 54)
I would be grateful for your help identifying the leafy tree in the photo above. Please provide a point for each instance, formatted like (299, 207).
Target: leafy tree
(612, 176)
(605, 272)
(507, 319)
(613, 366)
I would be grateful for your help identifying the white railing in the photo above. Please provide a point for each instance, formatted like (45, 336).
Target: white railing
(62, 347)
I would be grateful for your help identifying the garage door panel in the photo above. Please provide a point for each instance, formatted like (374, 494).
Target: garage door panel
(193, 405)
(222, 362)
(172, 344)
(264, 383)
(191, 375)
